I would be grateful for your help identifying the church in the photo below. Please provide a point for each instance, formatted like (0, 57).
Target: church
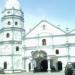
(42, 47)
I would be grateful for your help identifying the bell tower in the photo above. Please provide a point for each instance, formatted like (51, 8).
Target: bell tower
(12, 34)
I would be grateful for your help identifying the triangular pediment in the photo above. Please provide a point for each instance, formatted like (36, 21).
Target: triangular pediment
(45, 28)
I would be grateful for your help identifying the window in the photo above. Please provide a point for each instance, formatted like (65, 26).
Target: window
(7, 35)
(44, 42)
(17, 48)
(57, 51)
(5, 65)
(9, 22)
(16, 23)
(44, 27)
(8, 12)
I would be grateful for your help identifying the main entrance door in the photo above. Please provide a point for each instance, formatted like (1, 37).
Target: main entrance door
(41, 61)
(44, 65)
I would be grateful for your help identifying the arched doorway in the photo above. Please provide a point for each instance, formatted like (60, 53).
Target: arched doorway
(5, 65)
(44, 65)
(59, 64)
(41, 61)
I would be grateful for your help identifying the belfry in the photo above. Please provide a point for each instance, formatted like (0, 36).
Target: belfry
(12, 33)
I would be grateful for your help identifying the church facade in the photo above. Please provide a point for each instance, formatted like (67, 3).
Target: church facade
(56, 43)
(20, 51)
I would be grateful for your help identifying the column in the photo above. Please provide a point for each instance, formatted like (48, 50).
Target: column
(49, 65)
(24, 64)
(27, 65)
(32, 66)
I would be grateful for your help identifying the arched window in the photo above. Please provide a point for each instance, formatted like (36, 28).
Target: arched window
(44, 42)
(9, 22)
(57, 51)
(5, 65)
(7, 35)
(44, 27)
(8, 12)
(16, 23)
(17, 48)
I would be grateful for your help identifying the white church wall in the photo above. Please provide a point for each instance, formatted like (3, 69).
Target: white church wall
(13, 63)
(62, 51)
(71, 39)
(17, 62)
(35, 32)
(18, 12)
(59, 40)
(0, 49)
(38, 42)
(64, 61)
(5, 36)
(49, 51)
(28, 53)
(19, 52)
(8, 12)
(5, 23)
(31, 42)
(49, 28)
(1, 34)
(49, 41)
(12, 23)
(19, 23)
(6, 49)
(17, 35)
(72, 51)
(7, 59)
(27, 65)
(11, 37)
(72, 59)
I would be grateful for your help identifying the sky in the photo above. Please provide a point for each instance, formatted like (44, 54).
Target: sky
(58, 12)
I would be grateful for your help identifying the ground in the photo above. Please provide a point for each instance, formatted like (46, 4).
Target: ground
(31, 73)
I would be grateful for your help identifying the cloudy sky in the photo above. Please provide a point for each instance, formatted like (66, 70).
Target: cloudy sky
(57, 12)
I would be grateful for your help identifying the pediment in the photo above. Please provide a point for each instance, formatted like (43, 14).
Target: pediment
(45, 28)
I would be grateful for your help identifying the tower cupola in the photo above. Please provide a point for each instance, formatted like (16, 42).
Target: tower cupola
(12, 4)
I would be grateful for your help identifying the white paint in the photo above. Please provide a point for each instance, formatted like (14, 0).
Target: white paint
(12, 4)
